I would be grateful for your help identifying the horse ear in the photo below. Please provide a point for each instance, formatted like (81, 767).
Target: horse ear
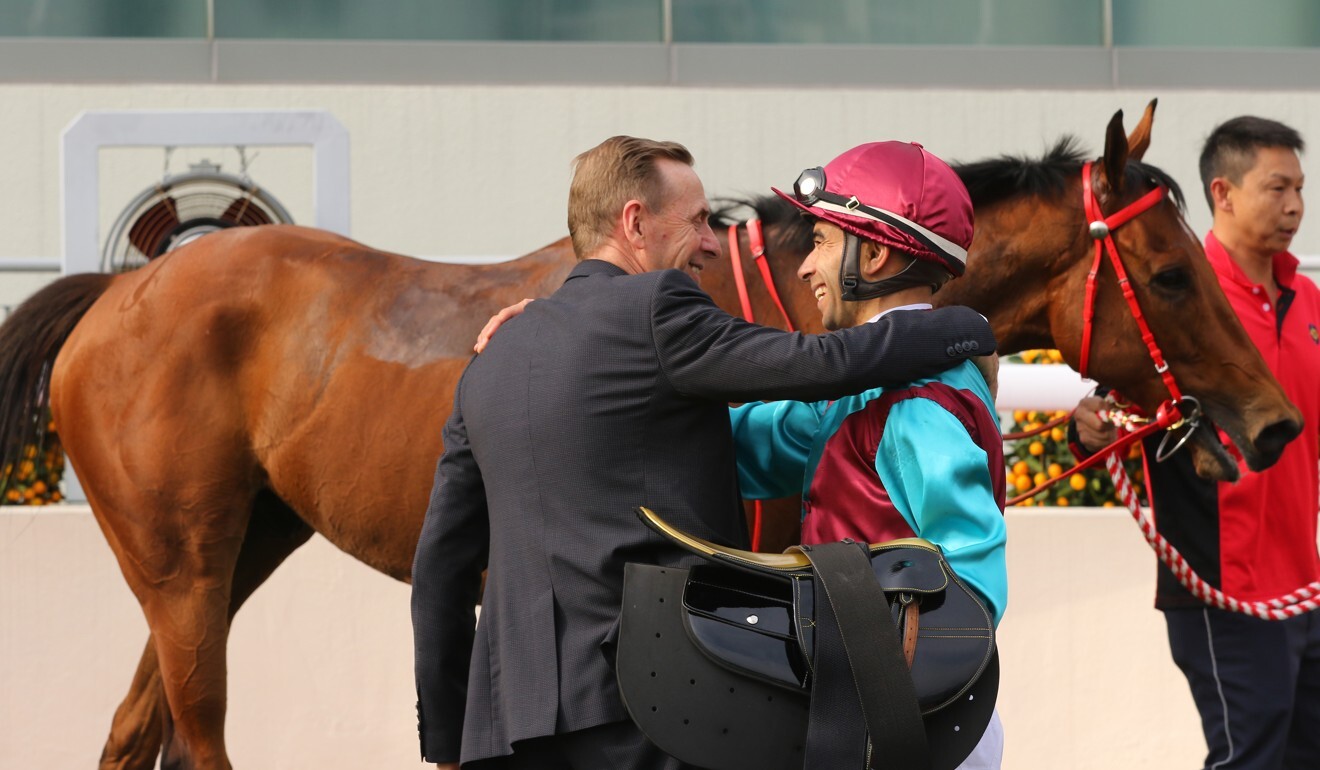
(1116, 153)
(1139, 140)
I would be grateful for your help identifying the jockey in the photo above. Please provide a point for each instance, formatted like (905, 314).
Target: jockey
(892, 225)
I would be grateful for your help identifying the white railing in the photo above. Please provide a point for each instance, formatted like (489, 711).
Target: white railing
(1040, 386)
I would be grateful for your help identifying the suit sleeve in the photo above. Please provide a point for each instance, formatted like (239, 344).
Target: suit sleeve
(706, 353)
(446, 578)
(772, 444)
(939, 480)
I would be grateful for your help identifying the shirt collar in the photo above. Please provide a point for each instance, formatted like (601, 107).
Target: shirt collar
(1285, 264)
(913, 306)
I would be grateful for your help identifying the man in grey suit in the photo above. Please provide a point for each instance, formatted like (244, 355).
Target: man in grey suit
(609, 394)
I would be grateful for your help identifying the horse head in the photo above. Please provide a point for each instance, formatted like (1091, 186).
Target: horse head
(1045, 233)
(787, 241)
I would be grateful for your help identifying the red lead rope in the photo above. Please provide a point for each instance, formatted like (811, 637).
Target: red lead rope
(755, 239)
(1164, 420)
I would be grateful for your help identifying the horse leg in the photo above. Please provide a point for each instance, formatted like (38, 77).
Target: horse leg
(142, 727)
(136, 731)
(273, 532)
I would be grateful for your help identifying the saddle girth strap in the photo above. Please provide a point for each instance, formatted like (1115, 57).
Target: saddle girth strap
(857, 642)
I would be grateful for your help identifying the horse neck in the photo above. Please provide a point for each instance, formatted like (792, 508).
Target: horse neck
(1017, 270)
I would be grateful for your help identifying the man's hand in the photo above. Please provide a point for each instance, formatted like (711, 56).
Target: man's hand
(488, 331)
(1091, 430)
(447, 765)
(989, 366)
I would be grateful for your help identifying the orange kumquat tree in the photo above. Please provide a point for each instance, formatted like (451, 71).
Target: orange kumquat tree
(1032, 461)
(35, 478)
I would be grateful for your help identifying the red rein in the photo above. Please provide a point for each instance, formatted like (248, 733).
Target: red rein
(755, 239)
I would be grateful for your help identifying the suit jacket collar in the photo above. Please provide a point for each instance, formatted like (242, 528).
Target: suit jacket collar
(589, 267)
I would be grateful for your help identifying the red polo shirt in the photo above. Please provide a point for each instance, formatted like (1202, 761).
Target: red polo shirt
(1255, 539)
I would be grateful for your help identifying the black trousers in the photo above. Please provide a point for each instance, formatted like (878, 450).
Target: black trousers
(613, 746)
(1256, 684)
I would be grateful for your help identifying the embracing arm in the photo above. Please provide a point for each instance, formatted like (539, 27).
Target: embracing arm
(707, 353)
(497, 320)
(446, 578)
(939, 479)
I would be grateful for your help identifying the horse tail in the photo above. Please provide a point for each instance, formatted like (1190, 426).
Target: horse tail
(29, 341)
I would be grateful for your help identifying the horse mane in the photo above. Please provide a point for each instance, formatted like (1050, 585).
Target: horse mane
(988, 182)
(1009, 177)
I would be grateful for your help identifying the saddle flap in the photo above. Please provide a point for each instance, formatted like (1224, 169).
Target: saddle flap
(746, 622)
(762, 606)
(908, 568)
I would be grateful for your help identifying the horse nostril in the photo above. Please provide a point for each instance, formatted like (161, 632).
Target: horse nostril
(1274, 437)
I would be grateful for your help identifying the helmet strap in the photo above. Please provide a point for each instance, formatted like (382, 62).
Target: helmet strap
(918, 272)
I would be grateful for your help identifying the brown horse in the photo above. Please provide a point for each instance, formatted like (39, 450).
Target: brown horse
(232, 397)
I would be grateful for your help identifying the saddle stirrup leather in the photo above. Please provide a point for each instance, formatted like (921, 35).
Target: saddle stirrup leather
(833, 655)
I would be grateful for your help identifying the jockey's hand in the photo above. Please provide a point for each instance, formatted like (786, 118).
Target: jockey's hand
(989, 366)
(494, 323)
(1091, 430)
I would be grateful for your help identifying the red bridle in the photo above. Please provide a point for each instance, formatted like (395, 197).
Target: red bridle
(755, 239)
(1169, 414)
(1102, 230)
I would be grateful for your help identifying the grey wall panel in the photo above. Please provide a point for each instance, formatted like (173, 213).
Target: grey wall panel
(405, 62)
(86, 60)
(915, 66)
(79, 60)
(1218, 68)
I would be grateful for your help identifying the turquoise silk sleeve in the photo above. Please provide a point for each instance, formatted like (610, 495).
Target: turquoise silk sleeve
(939, 480)
(772, 442)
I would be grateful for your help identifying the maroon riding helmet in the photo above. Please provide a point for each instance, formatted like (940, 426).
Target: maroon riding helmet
(898, 195)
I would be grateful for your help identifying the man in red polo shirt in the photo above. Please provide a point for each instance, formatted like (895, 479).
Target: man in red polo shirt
(1256, 682)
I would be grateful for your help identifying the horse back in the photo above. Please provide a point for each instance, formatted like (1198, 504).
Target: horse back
(290, 359)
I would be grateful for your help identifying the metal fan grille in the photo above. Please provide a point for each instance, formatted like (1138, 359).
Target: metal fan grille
(183, 208)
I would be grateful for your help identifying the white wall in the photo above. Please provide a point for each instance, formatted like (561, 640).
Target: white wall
(483, 170)
(321, 657)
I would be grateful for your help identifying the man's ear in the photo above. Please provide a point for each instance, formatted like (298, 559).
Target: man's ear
(631, 220)
(873, 259)
(1219, 189)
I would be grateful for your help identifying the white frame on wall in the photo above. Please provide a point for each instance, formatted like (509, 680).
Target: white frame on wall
(93, 131)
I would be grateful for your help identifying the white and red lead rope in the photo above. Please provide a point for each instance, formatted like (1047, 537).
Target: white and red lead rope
(1287, 606)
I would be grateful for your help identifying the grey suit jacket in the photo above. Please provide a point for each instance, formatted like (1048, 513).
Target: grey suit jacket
(609, 394)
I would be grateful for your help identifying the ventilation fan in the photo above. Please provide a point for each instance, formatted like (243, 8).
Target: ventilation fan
(182, 208)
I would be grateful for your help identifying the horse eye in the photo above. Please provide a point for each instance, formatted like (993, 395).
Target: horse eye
(1173, 279)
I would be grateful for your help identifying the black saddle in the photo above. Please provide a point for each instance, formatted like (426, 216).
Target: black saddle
(838, 655)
